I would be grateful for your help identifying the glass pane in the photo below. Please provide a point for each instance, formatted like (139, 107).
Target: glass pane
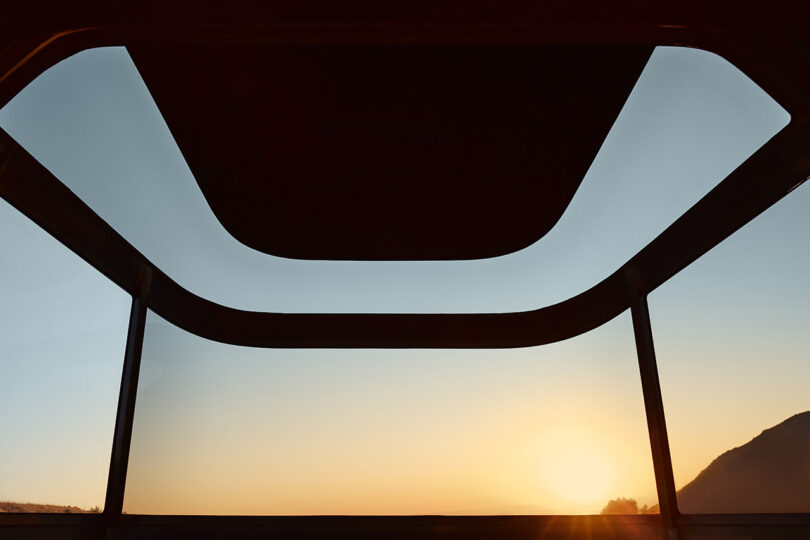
(690, 120)
(63, 329)
(731, 335)
(223, 429)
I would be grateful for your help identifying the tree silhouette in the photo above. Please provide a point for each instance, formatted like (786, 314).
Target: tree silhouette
(621, 506)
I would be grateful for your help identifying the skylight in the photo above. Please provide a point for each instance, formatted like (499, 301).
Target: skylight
(691, 119)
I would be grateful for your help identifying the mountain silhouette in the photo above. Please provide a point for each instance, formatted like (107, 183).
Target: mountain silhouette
(769, 474)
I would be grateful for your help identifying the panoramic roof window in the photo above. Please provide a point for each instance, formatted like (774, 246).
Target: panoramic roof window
(224, 429)
(690, 119)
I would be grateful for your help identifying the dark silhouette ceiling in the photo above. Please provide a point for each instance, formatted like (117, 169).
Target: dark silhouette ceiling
(389, 152)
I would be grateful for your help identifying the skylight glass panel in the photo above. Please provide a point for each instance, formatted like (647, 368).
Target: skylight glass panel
(691, 119)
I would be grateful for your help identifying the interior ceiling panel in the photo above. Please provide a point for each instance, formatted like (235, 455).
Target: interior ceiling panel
(389, 152)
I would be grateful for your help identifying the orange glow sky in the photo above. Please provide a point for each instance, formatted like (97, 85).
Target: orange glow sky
(556, 429)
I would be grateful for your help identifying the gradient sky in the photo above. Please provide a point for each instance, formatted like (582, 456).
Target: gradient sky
(554, 429)
(387, 431)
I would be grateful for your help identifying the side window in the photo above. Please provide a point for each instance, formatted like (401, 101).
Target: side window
(63, 329)
(732, 335)
(225, 429)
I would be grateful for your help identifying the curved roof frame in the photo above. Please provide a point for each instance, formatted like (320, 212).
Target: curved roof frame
(776, 168)
(772, 57)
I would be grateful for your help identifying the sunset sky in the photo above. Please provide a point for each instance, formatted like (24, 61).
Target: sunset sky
(221, 429)
(396, 431)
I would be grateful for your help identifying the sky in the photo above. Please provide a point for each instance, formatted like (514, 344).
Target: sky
(387, 431)
(233, 430)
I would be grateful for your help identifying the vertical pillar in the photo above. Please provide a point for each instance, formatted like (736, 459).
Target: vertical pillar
(116, 481)
(653, 404)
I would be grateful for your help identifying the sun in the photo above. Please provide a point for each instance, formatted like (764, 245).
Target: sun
(575, 470)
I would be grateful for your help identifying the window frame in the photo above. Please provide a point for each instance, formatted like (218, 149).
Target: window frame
(771, 173)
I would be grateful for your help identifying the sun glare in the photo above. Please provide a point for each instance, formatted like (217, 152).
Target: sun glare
(575, 470)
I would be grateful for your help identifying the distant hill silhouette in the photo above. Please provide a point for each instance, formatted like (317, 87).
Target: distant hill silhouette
(14, 507)
(771, 473)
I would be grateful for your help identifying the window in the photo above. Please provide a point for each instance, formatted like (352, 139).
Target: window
(63, 329)
(690, 120)
(222, 429)
(732, 341)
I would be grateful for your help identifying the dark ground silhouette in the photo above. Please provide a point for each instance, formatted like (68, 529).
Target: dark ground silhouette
(23, 508)
(769, 474)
